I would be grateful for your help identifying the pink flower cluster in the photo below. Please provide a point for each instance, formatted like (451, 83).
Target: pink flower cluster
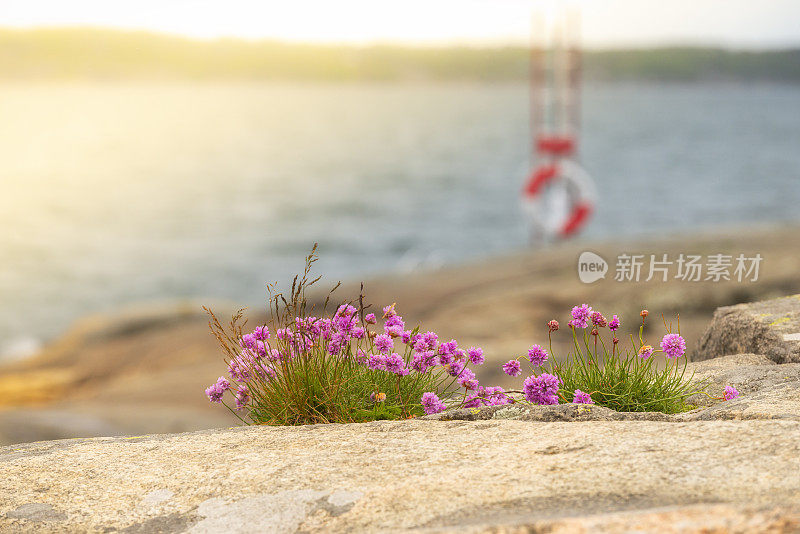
(582, 398)
(392, 348)
(673, 345)
(343, 336)
(542, 389)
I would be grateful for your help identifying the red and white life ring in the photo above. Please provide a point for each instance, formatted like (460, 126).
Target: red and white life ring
(559, 199)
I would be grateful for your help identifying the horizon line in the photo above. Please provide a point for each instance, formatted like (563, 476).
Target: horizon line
(448, 44)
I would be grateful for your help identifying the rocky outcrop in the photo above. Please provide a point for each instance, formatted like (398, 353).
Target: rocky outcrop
(725, 467)
(768, 391)
(770, 327)
(430, 476)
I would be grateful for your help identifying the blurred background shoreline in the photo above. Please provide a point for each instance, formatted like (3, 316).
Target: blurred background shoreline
(97, 54)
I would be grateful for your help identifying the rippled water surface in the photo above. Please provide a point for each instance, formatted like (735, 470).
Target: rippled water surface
(113, 194)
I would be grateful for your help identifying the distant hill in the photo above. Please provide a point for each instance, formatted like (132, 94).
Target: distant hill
(88, 53)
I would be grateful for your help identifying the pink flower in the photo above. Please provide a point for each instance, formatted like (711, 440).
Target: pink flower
(580, 315)
(537, 355)
(384, 343)
(512, 368)
(467, 379)
(431, 403)
(475, 355)
(673, 345)
(542, 389)
(242, 397)
(598, 319)
(582, 398)
(216, 390)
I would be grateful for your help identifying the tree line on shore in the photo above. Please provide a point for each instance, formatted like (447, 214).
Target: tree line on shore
(100, 54)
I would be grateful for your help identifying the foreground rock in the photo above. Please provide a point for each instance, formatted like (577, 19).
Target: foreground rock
(770, 327)
(431, 476)
(768, 391)
(725, 467)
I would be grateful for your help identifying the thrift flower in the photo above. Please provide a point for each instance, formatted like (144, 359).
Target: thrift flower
(447, 351)
(582, 398)
(446, 359)
(431, 403)
(422, 361)
(370, 318)
(645, 351)
(614, 324)
(393, 331)
(512, 368)
(542, 389)
(428, 341)
(395, 320)
(248, 341)
(455, 368)
(338, 339)
(284, 334)
(475, 355)
(345, 323)
(223, 383)
(730, 393)
(552, 325)
(537, 355)
(346, 310)
(384, 343)
(495, 395)
(216, 390)
(394, 363)
(376, 362)
(239, 367)
(242, 397)
(490, 396)
(467, 379)
(388, 311)
(473, 401)
(598, 319)
(673, 345)
(358, 332)
(261, 333)
(580, 315)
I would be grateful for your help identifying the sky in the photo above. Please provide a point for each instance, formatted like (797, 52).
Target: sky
(605, 23)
